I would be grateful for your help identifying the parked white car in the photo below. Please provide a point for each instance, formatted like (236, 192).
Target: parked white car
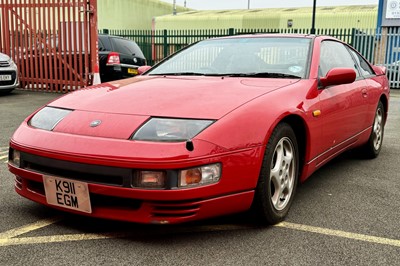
(8, 74)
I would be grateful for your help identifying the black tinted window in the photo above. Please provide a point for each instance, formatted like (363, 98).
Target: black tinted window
(104, 43)
(125, 46)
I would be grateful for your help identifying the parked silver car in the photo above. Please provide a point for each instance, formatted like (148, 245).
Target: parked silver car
(8, 74)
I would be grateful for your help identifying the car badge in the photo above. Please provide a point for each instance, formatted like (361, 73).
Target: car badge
(134, 60)
(95, 123)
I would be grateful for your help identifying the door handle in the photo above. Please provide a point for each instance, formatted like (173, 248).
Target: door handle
(364, 93)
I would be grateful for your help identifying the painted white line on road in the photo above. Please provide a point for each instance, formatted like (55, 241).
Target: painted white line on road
(28, 228)
(338, 233)
(3, 157)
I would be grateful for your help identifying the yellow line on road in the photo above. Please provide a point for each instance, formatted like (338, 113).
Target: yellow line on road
(51, 239)
(28, 228)
(338, 233)
(9, 238)
(6, 239)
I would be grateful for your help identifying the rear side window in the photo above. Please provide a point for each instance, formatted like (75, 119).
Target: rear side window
(104, 43)
(125, 46)
(365, 68)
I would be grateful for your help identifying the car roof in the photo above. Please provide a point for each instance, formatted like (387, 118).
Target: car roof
(277, 35)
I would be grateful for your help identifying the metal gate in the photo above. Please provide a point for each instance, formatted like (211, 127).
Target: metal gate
(53, 42)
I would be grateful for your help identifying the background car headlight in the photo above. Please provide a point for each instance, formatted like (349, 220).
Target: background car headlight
(48, 118)
(168, 129)
(198, 176)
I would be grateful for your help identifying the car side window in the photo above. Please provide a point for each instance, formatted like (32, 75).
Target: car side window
(365, 68)
(105, 43)
(101, 46)
(335, 54)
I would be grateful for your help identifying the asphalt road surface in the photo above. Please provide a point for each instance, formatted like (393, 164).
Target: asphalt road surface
(347, 213)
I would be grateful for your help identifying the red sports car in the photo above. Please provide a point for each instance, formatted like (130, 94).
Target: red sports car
(223, 126)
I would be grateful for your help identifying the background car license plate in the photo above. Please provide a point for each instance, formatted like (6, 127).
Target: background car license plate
(5, 77)
(67, 193)
(132, 71)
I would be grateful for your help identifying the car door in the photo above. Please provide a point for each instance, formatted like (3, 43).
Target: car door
(342, 106)
(373, 88)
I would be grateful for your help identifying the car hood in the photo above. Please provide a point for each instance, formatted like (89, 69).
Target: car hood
(184, 97)
(4, 57)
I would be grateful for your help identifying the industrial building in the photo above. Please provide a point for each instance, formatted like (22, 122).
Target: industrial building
(339, 17)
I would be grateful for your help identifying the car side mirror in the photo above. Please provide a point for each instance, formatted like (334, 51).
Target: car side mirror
(143, 69)
(338, 76)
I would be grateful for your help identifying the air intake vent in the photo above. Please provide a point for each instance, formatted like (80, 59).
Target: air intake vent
(175, 210)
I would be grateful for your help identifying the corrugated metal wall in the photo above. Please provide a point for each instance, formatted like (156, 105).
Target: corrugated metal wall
(272, 18)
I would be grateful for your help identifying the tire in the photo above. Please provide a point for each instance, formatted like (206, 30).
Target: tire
(277, 182)
(374, 145)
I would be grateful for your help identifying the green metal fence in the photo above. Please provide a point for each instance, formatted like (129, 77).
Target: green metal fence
(156, 45)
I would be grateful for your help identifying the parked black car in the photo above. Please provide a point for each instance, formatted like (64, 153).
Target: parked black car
(118, 57)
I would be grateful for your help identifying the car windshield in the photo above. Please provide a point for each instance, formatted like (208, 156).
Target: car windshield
(271, 57)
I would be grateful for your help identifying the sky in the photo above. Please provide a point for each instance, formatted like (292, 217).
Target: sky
(243, 4)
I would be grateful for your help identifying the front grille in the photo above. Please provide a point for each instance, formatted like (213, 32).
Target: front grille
(4, 63)
(107, 175)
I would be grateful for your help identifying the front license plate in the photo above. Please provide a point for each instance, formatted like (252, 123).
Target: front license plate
(67, 193)
(5, 77)
(132, 71)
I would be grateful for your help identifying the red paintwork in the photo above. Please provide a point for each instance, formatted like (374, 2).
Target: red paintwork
(246, 110)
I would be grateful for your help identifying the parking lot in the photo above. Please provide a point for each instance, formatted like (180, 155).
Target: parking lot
(344, 214)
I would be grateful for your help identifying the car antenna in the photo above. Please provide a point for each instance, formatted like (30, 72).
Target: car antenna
(189, 145)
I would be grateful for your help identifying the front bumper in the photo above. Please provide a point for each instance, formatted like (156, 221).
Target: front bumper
(11, 84)
(113, 197)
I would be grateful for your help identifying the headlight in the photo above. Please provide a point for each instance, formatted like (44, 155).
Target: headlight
(168, 129)
(48, 118)
(198, 176)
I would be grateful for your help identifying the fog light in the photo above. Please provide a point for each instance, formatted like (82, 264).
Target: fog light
(151, 179)
(15, 157)
(203, 175)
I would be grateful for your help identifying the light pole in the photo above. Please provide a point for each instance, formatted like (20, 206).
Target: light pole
(313, 17)
(248, 4)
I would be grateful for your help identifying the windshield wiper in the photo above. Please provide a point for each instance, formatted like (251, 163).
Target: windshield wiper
(263, 75)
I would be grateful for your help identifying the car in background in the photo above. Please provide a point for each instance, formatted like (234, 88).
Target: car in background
(118, 57)
(209, 131)
(8, 74)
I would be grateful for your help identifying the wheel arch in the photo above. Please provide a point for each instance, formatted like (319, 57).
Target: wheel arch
(385, 103)
(301, 131)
